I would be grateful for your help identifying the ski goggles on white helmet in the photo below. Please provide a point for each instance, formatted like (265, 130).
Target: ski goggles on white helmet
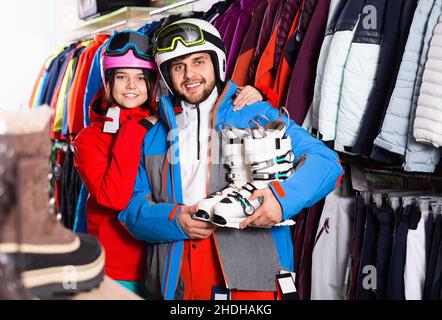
(188, 34)
(120, 43)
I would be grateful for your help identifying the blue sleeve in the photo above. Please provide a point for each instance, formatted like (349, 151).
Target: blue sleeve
(314, 179)
(80, 221)
(147, 220)
(39, 94)
(93, 85)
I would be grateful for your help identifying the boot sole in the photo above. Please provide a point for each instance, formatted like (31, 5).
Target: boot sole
(227, 223)
(64, 280)
(56, 291)
(234, 223)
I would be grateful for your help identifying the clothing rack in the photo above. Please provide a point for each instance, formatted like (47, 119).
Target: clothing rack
(126, 22)
(427, 177)
(172, 6)
(109, 29)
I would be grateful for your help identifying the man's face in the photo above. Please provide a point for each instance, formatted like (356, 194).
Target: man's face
(193, 77)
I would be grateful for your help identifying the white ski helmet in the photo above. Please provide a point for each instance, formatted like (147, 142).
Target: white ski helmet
(188, 36)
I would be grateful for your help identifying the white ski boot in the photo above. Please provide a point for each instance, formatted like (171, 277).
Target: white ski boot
(269, 153)
(233, 156)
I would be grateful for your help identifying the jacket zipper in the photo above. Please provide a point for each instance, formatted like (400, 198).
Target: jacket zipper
(198, 131)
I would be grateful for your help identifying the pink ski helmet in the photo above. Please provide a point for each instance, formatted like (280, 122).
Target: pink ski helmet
(127, 49)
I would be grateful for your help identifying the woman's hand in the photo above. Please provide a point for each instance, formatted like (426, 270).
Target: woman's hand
(247, 95)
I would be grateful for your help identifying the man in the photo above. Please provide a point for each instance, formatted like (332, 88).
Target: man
(191, 259)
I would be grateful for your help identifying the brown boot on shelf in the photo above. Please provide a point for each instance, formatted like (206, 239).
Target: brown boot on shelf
(55, 260)
(11, 286)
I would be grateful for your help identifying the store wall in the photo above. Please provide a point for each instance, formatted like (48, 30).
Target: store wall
(28, 37)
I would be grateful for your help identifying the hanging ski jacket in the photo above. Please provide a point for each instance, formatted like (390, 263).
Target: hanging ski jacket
(394, 131)
(408, 10)
(65, 125)
(360, 71)
(94, 83)
(36, 99)
(336, 7)
(288, 14)
(287, 62)
(418, 157)
(267, 28)
(78, 87)
(108, 164)
(396, 30)
(38, 83)
(227, 28)
(242, 24)
(61, 83)
(289, 48)
(302, 80)
(64, 92)
(427, 125)
(215, 11)
(241, 74)
(54, 71)
(334, 69)
(268, 74)
(156, 201)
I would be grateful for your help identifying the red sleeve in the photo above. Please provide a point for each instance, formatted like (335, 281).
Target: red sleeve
(109, 170)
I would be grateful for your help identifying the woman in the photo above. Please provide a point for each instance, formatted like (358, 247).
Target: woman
(107, 152)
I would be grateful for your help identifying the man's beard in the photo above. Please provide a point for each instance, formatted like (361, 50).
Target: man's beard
(206, 93)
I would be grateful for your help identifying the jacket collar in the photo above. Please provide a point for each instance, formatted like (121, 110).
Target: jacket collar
(99, 109)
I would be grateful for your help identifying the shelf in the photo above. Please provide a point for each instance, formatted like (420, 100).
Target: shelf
(128, 18)
(126, 13)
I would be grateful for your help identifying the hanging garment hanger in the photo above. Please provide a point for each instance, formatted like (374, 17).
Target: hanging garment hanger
(394, 203)
(406, 201)
(366, 195)
(424, 204)
(378, 199)
(435, 208)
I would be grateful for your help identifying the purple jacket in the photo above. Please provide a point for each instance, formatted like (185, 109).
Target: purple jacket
(302, 82)
(242, 64)
(226, 26)
(241, 26)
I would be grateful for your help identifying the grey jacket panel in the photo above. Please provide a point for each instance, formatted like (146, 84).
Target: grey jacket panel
(155, 266)
(154, 166)
(247, 270)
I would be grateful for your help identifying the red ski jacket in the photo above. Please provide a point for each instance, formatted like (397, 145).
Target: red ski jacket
(108, 165)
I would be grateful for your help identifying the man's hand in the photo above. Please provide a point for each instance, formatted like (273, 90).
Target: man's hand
(247, 95)
(269, 214)
(195, 229)
(152, 119)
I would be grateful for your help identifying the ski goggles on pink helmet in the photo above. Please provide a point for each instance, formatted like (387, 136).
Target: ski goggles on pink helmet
(128, 49)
